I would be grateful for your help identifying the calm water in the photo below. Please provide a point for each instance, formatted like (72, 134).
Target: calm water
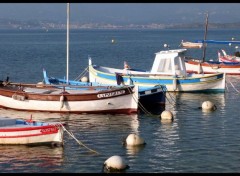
(195, 141)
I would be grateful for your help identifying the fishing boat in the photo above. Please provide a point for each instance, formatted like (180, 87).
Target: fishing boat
(184, 44)
(222, 64)
(194, 65)
(147, 95)
(87, 99)
(168, 69)
(153, 94)
(228, 58)
(29, 132)
(48, 98)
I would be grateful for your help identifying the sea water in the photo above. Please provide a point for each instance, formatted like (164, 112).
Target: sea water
(195, 142)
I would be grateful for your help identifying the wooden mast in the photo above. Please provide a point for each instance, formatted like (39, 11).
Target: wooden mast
(205, 37)
(68, 15)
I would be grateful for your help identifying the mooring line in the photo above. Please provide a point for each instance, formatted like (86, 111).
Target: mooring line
(79, 142)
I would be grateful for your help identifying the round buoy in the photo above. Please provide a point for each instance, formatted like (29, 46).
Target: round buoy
(209, 106)
(133, 140)
(115, 163)
(113, 41)
(166, 115)
(166, 45)
(40, 84)
(84, 79)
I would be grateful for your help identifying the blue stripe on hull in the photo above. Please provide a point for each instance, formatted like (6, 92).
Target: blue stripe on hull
(155, 81)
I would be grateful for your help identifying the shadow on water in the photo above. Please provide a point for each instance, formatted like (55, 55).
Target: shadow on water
(154, 108)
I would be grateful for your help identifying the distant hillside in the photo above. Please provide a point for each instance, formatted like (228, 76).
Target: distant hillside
(16, 24)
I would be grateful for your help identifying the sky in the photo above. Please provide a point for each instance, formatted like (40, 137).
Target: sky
(124, 13)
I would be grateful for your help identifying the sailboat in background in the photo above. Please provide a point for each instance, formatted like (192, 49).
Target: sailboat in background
(87, 99)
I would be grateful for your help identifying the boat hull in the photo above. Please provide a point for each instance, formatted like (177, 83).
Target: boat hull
(192, 83)
(30, 134)
(115, 101)
(192, 66)
(151, 95)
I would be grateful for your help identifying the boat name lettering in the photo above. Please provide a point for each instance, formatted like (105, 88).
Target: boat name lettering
(111, 94)
(208, 79)
(49, 130)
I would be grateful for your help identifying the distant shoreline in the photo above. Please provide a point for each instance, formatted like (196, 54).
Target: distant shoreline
(14, 24)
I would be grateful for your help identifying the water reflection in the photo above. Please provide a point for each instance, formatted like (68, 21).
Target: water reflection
(85, 121)
(134, 150)
(193, 101)
(15, 158)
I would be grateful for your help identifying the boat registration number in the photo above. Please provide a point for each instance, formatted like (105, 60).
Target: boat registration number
(111, 94)
(49, 130)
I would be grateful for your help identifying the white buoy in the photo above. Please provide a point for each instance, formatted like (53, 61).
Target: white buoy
(115, 163)
(40, 84)
(166, 46)
(166, 115)
(113, 41)
(209, 106)
(84, 79)
(133, 140)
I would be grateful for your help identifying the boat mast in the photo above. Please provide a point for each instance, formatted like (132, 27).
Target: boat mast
(205, 37)
(68, 10)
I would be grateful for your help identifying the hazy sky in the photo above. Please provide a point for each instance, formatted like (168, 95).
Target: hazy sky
(124, 13)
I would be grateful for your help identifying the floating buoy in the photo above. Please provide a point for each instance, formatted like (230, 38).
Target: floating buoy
(40, 84)
(209, 106)
(84, 79)
(166, 46)
(166, 115)
(134, 140)
(113, 41)
(115, 163)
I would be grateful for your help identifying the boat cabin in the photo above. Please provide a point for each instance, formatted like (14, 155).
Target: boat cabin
(170, 62)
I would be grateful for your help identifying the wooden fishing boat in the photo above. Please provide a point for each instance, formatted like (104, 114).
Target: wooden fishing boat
(168, 69)
(147, 95)
(101, 99)
(194, 65)
(29, 132)
(190, 45)
(87, 99)
(228, 58)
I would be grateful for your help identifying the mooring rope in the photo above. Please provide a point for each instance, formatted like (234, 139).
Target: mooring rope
(81, 74)
(79, 142)
(233, 86)
(140, 105)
